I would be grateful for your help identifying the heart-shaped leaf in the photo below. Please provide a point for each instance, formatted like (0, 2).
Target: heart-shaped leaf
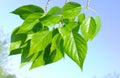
(39, 41)
(88, 28)
(29, 23)
(76, 48)
(53, 17)
(98, 26)
(26, 10)
(71, 10)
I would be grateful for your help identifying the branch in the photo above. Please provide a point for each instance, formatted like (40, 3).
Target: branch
(66, 1)
(46, 8)
(87, 4)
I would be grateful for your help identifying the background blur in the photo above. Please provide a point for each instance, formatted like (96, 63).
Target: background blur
(103, 55)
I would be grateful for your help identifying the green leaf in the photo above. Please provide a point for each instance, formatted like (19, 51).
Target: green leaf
(69, 27)
(55, 42)
(39, 61)
(49, 20)
(37, 27)
(54, 32)
(17, 40)
(51, 57)
(81, 17)
(29, 23)
(16, 51)
(53, 17)
(56, 49)
(88, 28)
(18, 37)
(25, 11)
(24, 57)
(76, 48)
(71, 10)
(46, 57)
(59, 52)
(55, 11)
(52, 53)
(39, 41)
(98, 26)
(15, 48)
(25, 52)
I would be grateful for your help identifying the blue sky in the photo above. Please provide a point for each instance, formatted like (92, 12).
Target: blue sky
(103, 53)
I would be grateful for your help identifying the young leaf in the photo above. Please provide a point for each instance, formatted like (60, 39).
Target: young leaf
(76, 48)
(55, 42)
(24, 57)
(49, 20)
(88, 28)
(47, 57)
(25, 11)
(29, 23)
(39, 61)
(51, 57)
(55, 11)
(54, 32)
(71, 10)
(81, 17)
(17, 40)
(59, 52)
(69, 27)
(52, 53)
(38, 27)
(15, 48)
(39, 41)
(25, 53)
(18, 37)
(16, 51)
(98, 26)
(52, 17)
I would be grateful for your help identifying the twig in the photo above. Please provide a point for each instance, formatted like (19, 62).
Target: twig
(87, 4)
(46, 8)
(66, 1)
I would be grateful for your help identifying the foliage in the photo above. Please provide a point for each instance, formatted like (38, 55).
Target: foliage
(3, 48)
(4, 56)
(44, 38)
(6, 75)
(3, 41)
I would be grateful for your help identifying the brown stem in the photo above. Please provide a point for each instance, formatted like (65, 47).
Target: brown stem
(46, 8)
